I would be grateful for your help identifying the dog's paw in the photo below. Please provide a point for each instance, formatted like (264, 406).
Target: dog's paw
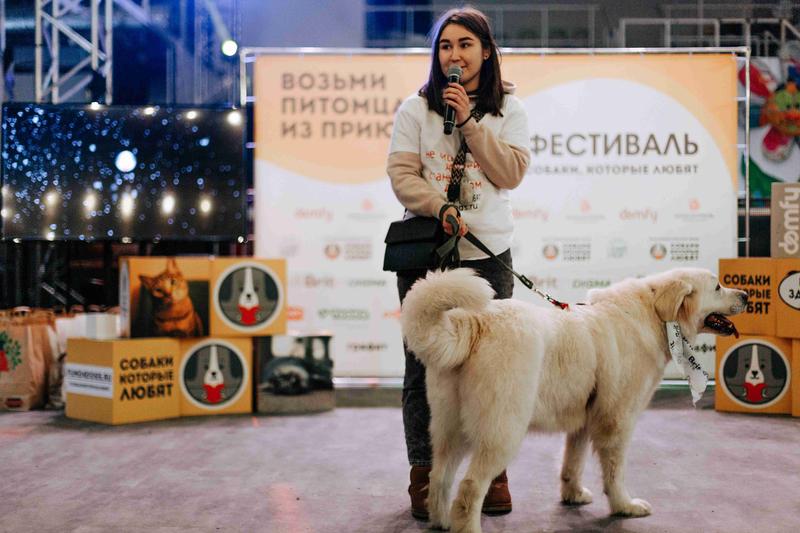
(440, 522)
(635, 508)
(576, 496)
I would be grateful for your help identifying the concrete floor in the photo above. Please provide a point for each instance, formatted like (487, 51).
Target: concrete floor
(345, 471)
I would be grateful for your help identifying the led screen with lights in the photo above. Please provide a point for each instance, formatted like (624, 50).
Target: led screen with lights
(122, 172)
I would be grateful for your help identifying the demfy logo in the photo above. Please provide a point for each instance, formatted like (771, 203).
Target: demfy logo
(586, 207)
(531, 214)
(694, 204)
(789, 227)
(643, 215)
(319, 213)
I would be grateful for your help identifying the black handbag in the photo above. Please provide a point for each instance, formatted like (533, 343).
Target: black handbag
(411, 244)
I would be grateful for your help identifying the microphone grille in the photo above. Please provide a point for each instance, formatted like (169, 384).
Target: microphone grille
(454, 70)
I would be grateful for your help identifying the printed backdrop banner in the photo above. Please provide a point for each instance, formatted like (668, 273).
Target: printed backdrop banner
(633, 171)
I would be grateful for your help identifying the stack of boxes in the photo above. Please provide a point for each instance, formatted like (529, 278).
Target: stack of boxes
(760, 371)
(188, 326)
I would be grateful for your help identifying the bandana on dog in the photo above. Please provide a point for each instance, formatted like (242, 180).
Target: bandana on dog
(681, 352)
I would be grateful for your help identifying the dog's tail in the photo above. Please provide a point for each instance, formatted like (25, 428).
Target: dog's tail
(438, 319)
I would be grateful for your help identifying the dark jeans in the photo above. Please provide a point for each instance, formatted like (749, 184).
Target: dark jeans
(416, 411)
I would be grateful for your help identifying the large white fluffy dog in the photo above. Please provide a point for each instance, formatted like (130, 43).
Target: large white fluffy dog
(497, 368)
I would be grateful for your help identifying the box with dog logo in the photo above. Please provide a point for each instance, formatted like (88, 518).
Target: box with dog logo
(786, 297)
(248, 297)
(754, 374)
(796, 379)
(164, 296)
(215, 376)
(754, 275)
(294, 373)
(123, 380)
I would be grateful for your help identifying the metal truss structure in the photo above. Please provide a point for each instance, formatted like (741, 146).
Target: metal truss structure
(196, 71)
(52, 24)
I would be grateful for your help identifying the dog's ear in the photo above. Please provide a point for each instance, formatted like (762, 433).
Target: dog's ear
(669, 297)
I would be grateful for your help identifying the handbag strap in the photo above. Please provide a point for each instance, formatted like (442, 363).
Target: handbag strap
(460, 160)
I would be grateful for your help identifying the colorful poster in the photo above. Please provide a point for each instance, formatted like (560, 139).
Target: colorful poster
(633, 171)
(774, 123)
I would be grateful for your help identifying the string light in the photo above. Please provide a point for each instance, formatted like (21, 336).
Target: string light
(234, 118)
(90, 201)
(168, 204)
(126, 205)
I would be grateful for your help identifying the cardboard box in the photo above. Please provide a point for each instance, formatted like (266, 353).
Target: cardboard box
(215, 376)
(786, 297)
(294, 374)
(785, 220)
(754, 374)
(754, 275)
(248, 297)
(796, 379)
(122, 381)
(164, 296)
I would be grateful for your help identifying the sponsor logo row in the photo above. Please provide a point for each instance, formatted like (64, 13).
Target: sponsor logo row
(581, 250)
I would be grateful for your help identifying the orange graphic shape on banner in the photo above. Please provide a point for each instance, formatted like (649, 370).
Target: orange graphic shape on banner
(704, 84)
(329, 117)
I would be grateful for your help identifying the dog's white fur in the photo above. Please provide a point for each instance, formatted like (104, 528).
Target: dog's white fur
(497, 368)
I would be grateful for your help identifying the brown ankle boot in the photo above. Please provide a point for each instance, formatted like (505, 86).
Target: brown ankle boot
(498, 499)
(418, 490)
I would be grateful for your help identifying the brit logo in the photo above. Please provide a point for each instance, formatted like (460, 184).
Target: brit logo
(10, 353)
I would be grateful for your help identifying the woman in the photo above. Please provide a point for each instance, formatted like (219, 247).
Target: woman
(493, 123)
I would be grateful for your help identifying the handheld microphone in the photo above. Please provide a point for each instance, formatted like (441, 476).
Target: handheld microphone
(453, 76)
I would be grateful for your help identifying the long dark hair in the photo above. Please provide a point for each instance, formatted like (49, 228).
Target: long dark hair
(490, 89)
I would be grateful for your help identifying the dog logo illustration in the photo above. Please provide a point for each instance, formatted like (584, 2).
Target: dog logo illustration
(248, 296)
(213, 375)
(755, 374)
(213, 380)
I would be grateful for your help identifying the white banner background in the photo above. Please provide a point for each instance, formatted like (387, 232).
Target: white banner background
(582, 220)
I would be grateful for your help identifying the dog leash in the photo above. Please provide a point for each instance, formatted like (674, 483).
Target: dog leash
(450, 250)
